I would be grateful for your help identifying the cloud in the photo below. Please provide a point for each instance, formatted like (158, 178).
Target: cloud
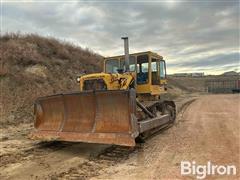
(201, 34)
(211, 61)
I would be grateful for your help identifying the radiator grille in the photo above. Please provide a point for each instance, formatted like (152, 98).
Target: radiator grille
(94, 84)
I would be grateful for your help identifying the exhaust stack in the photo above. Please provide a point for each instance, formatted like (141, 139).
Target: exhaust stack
(126, 52)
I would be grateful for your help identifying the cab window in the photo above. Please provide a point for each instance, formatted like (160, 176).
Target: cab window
(155, 71)
(131, 63)
(112, 65)
(142, 72)
(162, 69)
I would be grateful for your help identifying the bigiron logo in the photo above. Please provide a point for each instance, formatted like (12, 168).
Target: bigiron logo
(201, 171)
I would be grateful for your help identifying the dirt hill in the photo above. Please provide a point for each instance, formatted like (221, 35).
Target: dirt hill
(33, 66)
(188, 84)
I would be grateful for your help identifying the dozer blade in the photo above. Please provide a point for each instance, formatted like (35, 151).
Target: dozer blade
(106, 117)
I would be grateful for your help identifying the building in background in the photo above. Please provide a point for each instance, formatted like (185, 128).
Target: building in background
(195, 74)
(231, 73)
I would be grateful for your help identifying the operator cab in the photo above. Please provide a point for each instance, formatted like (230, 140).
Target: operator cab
(148, 68)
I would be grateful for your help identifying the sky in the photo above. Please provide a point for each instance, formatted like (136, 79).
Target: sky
(192, 36)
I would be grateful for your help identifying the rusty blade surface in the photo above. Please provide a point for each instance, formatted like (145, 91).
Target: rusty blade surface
(99, 117)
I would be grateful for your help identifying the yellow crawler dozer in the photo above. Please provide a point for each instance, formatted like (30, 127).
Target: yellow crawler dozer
(117, 106)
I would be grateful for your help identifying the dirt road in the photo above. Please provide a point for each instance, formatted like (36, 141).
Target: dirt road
(207, 130)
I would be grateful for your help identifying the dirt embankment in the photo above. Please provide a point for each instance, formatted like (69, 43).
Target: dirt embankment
(33, 66)
(188, 84)
(196, 84)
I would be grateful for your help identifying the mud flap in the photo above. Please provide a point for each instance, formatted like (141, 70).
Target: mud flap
(96, 117)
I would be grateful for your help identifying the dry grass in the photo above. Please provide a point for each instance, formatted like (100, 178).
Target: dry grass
(32, 66)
